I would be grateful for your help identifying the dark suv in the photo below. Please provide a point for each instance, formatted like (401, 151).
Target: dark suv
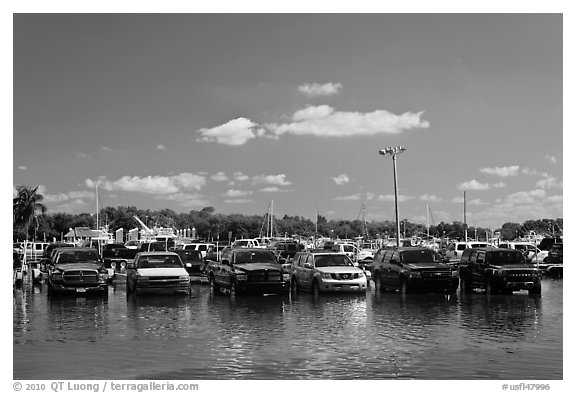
(412, 269)
(498, 270)
(553, 263)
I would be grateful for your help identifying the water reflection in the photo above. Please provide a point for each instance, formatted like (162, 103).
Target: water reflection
(368, 336)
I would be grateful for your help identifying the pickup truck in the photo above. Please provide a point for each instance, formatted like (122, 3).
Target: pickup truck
(77, 271)
(116, 257)
(247, 270)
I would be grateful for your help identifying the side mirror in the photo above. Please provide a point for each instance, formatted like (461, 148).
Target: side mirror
(188, 264)
(307, 266)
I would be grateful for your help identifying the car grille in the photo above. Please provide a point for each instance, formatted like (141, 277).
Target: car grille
(80, 277)
(436, 275)
(345, 276)
(520, 275)
(163, 282)
(264, 276)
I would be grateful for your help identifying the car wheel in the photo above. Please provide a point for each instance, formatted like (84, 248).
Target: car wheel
(315, 288)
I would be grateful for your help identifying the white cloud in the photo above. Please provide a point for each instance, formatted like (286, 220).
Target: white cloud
(83, 156)
(549, 182)
(525, 197)
(235, 132)
(550, 158)
(316, 89)
(473, 185)
(239, 176)
(504, 171)
(390, 198)
(354, 197)
(152, 184)
(341, 179)
(273, 180)
(22, 167)
(237, 201)
(161, 147)
(273, 189)
(430, 198)
(237, 193)
(324, 121)
(220, 177)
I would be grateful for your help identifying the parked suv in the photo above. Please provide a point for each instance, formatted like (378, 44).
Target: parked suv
(77, 270)
(412, 269)
(498, 270)
(454, 251)
(326, 272)
(553, 264)
(244, 270)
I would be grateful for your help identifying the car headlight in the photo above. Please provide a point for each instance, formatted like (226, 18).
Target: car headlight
(286, 276)
(186, 277)
(326, 276)
(241, 277)
(103, 276)
(57, 277)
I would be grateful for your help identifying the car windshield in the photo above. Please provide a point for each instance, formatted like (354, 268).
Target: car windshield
(254, 257)
(505, 258)
(78, 257)
(190, 256)
(332, 260)
(159, 261)
(419, 256)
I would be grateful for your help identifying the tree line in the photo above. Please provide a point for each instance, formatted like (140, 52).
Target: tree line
(32, 221)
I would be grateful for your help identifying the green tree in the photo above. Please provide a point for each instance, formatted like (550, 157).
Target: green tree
(26, 206)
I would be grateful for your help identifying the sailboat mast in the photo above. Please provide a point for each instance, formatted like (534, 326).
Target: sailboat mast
(427, 221)
(96, 206)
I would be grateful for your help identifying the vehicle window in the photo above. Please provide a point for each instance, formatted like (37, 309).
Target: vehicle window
(505, 258)
(78, 257)
(190, 256)
(472, 257)
(202, 247)
(504, 246)
(520, 247)
(480, 257)
(419, 256)
(332, 260)
(254, 257)
(159, 261)
(478, 245)
(379, 256)
(387, 256)
(461, 247)
(348, 248)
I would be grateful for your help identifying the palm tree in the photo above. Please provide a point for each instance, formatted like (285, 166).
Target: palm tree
(26, 204)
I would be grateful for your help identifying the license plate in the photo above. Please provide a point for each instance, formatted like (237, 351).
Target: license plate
(81, 290)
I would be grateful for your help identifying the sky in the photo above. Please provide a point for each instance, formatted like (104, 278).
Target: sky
(233, 111)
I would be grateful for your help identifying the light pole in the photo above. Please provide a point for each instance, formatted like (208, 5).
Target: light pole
(393, 152)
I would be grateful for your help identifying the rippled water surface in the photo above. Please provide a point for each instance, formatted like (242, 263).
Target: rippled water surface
(372, 336)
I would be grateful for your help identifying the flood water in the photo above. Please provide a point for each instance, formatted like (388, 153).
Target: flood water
(371, 336)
